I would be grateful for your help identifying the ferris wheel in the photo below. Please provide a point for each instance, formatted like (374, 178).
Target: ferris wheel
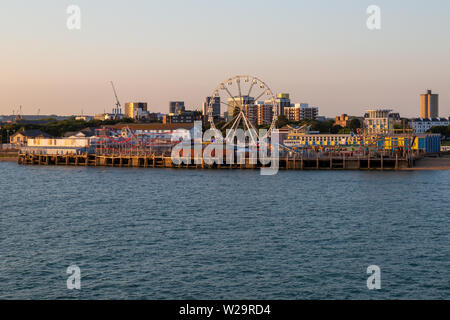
(249, 102)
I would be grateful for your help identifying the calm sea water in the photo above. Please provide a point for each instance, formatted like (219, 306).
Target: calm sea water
(193, 234)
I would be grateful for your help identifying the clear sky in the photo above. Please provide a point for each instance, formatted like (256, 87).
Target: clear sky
(320, 52)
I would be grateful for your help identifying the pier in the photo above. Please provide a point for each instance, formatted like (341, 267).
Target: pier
(164, 161)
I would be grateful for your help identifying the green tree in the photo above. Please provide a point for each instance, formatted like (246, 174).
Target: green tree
(354, 124)
(282, 121)
(443, 130)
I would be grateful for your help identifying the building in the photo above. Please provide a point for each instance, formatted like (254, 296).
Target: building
(283, 101)
(251, 112)
(72, 143)
(84, 118)
(66, 145)
(103, 116)
(182, 117)
(150, 127)
(136, 110)
(238, 103)
(215, 105)
(429, 105)
(84, 133)
(378, 121)
(302, 136)
(21, 138)
(395, 116)
(155, 117)
(265, 113)
(301, 112)
(343, 120)
(176, 106)
(421, 125)
(307, 112)
(160, 131)
(292, 114)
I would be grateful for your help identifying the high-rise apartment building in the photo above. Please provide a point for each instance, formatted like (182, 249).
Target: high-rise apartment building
(251, 112)
(238, 103)
(215, 104)
(176, 106)
(257, 113)
(283, 101)
(429, 105)
(265, 113)
(135, 110)
(301, 112)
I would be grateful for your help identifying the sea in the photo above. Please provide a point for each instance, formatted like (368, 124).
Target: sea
(150, 233)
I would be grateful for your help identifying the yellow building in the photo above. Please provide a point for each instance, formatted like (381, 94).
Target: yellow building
(429, 105)
(133, 109)
(21, 138)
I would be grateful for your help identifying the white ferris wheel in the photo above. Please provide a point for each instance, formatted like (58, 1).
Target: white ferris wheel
(239, 94)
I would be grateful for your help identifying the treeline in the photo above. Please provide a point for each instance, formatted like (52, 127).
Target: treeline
(327, 126)
(56, 128)
(443, 130)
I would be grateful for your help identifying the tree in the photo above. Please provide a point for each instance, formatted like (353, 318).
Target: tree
(443, 130)
(282, 121)
(354, 124)
(336, 129)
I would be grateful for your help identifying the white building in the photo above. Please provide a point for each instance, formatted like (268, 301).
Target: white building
(72, 143)
(421, 125)
(378, 121)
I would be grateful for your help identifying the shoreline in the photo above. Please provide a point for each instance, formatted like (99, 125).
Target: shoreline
(8, 159)
(430, 164)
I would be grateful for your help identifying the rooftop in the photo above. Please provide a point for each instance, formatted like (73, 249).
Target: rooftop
(33, 133)
(151, 126)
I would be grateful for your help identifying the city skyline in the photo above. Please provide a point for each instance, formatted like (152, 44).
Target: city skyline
(331, 60)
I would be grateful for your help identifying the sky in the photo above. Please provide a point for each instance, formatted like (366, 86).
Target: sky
(321, 52)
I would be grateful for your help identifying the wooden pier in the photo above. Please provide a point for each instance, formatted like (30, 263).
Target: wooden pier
(160, 161)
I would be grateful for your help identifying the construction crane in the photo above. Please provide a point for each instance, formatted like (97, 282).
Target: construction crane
(19, 114)
(117, 111)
